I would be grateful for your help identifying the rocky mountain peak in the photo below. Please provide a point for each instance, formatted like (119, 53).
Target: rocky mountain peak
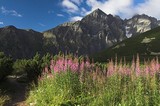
(93, 33)
(96, 14)
(139, 24)
(10, 27)
(142, 16)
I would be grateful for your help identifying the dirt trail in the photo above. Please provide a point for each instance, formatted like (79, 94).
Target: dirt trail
(16, 91)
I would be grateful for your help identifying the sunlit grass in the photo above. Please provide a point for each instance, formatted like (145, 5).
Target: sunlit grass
(3, 99)
(96, 85)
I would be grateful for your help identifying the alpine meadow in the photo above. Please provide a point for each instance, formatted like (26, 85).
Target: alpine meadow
(79, 53)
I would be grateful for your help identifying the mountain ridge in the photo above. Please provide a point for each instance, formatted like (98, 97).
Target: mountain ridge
(146, 45)
(95, 32)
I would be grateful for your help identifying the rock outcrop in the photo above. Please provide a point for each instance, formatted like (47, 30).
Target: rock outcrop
(139, 24)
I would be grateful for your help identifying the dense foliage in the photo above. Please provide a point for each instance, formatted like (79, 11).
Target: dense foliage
(5, 65)
(31, 67)
(70, 81)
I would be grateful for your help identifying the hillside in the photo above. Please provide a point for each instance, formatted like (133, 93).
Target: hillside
(96, 32)
(20, 43)
(146, 45)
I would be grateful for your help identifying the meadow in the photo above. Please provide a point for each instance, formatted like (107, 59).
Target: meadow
(77, 81)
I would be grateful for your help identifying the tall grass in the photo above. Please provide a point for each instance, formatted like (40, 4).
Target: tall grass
(3, 99)
(70, 81)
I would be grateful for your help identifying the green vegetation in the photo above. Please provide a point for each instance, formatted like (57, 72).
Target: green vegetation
(146, 45)
(31, 67)
(3, 99)
(5, 65)
(71, 82)
(19, 66)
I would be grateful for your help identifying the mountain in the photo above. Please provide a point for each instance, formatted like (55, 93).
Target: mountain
(20, 43)
(97, 31)
(93, 33)
(139, 24)
(146, 45)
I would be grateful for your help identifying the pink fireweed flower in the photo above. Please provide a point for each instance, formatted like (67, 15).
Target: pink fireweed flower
(137, 69)
(157, 64)
(82, 65)
(133, 65)
(146, 70)
(153, 69)
(46, 70)
(74, 67)
(111, 70)
(87, 64)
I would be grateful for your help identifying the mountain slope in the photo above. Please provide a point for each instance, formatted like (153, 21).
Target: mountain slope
(20, 43)
(93, 33)
(146, 45)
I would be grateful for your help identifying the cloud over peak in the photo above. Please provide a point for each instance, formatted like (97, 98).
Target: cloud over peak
(76, 18)
(123, 8)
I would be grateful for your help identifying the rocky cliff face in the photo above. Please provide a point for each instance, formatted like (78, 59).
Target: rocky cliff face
(139, 24)
(20, 43)
(93, 33)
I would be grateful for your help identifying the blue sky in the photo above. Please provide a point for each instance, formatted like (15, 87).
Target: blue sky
(41, 15)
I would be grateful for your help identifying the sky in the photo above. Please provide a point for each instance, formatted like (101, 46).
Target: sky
(41, 15)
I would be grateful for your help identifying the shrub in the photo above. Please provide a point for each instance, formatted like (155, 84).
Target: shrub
(20, 67)
(5, 65)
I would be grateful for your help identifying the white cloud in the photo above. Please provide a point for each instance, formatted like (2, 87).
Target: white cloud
(1, 23)
(76, 18)
(83, 11)
(123, 8)
(10, 12)
(149, 7)
(70, 6)
(78, 2)
(60, 15)
(42, 25)
(50, 11)
(115, 7)
(126, 8)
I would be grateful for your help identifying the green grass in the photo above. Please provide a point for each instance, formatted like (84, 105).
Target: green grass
(3, 99)
(132, 46)
(95, 89)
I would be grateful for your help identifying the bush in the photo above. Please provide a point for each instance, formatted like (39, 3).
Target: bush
(32, 67)
(5, 65)
(20, 67)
